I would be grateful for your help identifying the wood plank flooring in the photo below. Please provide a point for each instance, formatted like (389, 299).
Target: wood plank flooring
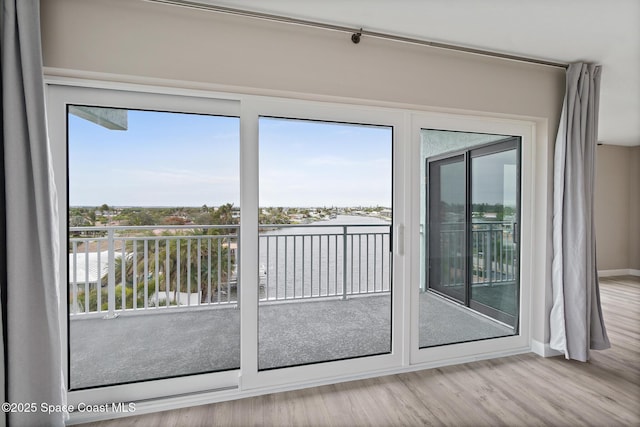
(523, 390)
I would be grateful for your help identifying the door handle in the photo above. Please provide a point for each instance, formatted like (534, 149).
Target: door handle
(400, 239)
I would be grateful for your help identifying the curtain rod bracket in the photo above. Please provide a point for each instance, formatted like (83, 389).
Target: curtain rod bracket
(355, 37)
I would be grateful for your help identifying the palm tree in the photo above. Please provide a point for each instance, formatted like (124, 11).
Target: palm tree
(187, 261)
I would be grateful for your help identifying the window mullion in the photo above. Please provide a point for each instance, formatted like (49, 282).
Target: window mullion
(248, 248)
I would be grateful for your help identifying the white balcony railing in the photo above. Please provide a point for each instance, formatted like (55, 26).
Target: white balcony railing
(116, 269)
(327, 260)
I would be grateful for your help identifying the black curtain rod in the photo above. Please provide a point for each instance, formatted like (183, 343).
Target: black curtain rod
(356, 32)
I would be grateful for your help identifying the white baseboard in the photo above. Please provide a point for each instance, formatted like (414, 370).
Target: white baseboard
(620, 272)
(544, 350)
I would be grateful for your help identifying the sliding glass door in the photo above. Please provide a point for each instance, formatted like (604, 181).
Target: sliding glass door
(324, 241)
(152, 244)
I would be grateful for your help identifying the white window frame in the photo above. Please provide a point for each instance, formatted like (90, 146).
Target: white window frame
(332, 371)
(407, 121)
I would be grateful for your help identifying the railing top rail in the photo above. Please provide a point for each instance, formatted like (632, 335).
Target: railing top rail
(462, 223)
(153, 227)
(315, 225)
(215, 226)
(152, 238)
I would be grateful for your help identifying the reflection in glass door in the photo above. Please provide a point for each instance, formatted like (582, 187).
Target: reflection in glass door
(494, 251)
(471, 214)
(447, 244)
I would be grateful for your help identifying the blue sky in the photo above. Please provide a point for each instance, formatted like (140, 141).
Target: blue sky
(305, 163)
(162, 159)
(170, 159)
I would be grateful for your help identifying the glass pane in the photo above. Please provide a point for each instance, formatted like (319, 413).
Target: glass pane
(469, 270)
(153, 226)
(325, 252)
(495, 256)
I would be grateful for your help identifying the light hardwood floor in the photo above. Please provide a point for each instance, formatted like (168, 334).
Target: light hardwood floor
(512, 391)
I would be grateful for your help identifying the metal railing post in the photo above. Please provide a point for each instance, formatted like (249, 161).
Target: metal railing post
(238, 281)
(344, 262)
(489, 254)
(74, 277)
(111, 276)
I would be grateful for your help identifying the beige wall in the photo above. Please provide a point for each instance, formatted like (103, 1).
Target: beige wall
(141, 39)
(634, 208)
(133, 37)
(617, 207)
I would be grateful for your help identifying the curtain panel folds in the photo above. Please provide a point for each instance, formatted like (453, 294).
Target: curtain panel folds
(31, 323)
(576, 323)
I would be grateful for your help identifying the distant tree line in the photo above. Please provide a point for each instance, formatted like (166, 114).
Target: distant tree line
(137, 216)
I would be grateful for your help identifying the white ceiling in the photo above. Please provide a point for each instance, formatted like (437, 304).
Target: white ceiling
(605, 32)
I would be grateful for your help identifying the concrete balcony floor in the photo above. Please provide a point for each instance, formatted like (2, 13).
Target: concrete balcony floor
(140, 346)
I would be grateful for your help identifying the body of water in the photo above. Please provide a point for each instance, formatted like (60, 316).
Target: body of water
(345, 255)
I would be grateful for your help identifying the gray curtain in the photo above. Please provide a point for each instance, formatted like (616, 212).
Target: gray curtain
(30, 309)
(576, 323)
